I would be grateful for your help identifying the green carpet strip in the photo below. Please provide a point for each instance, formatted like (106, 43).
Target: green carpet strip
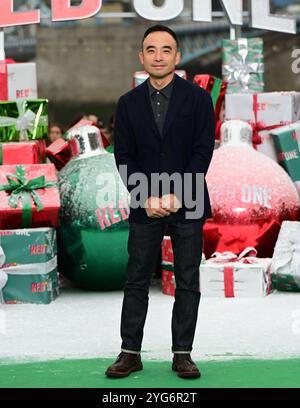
(89, 373)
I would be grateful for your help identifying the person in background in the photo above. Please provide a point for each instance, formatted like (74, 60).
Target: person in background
(110, 129)
(56, 131)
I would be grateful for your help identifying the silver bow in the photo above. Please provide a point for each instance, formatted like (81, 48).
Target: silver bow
(27, 120)
(238, 70)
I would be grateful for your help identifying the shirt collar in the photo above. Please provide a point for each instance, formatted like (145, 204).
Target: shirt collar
(166, 91)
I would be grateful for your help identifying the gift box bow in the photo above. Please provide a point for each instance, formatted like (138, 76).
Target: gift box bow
(239, 68)
(24, 190)
(227, 256)
(27, 121)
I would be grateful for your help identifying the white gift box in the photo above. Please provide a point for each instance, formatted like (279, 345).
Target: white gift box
(285, 267)
(235, 279)
(265, 109)
(267, 146)
(21, 81)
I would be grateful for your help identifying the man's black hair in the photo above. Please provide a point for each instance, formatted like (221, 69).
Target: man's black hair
(159, 27)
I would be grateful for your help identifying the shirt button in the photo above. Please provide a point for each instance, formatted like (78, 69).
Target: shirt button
(157, 93)
(158, 103)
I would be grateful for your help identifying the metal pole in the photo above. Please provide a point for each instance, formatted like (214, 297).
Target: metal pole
(2, 50)
(235, 32)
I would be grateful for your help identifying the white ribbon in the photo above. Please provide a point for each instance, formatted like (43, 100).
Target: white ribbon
(27, 120)
(26, 269)
(3, 275)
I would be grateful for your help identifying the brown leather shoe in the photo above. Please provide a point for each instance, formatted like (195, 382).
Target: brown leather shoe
(125, 364)
(185, 366)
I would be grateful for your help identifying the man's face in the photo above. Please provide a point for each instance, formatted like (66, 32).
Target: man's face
(160, 54)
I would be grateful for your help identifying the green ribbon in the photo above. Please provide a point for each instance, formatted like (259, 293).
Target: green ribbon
(215, 92)
(24, 190)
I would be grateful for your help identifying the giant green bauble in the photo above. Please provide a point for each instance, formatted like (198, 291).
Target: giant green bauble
(93, 232)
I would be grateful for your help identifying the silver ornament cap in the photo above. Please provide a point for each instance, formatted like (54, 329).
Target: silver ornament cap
(86, 141)
(236, 133)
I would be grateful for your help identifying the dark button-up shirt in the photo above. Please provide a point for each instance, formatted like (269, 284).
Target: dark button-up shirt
(160, 102)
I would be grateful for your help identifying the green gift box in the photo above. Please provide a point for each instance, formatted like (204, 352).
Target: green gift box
(23, 120)
(28, 266)
(243, 65)
(287, 144)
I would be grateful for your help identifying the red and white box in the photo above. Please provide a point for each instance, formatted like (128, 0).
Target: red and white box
(247, 277)
(265, 112)
(18, 81)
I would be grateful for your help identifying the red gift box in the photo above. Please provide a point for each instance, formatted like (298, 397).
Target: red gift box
(32, 152)
(215, 87)
(59, 153)
(29, 196)
(168, 282)
(166, 250)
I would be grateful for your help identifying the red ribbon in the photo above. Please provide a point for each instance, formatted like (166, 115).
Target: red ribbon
(3, 81)
(4, 78)
(259, 126)
(229, 281)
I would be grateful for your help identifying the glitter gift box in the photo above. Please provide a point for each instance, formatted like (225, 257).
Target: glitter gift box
(243, 65)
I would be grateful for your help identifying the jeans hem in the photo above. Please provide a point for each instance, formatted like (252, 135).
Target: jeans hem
(130, 351)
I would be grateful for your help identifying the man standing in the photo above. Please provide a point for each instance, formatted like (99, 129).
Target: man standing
(165, 126)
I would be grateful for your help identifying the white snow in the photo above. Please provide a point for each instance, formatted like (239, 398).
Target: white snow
(82, 324)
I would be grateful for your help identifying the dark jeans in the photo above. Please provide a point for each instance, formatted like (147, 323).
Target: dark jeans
(143, 247)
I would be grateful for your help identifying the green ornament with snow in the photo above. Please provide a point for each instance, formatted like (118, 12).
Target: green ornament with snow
(93, 232)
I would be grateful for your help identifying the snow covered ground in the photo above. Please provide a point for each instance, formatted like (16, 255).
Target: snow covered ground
(82, 324)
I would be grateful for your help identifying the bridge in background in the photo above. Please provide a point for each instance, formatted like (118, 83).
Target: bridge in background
(196, 39)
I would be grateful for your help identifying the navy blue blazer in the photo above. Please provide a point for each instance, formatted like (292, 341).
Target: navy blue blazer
(186, 145)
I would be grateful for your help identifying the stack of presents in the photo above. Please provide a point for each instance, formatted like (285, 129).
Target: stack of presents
(29, 194)
(29, 198)
(275, 120)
